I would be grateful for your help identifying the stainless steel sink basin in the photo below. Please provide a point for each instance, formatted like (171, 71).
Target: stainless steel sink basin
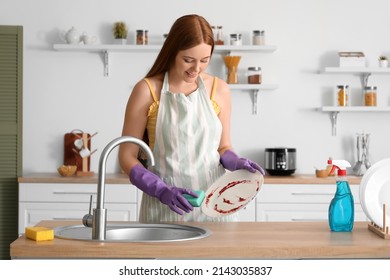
(135, 233)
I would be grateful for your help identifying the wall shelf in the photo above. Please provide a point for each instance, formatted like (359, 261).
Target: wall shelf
(354, 109)
(356, 70)
(365, 73)
(154, 48)
(106, 49)
(255, 88)
(335, 110)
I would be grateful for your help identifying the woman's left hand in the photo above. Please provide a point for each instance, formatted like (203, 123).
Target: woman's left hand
(233, 162)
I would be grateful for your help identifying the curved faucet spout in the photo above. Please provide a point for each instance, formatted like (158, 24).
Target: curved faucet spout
(99, 218)
(103, 160)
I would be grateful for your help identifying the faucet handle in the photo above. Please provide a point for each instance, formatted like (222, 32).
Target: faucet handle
(87, 219)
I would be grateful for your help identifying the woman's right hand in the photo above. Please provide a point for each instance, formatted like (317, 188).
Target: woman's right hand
(173, 197)
(151, 184)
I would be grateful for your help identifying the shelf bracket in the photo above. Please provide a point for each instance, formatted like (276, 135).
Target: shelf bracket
(364, 79)
(106, 62)
(255, 93)
(333, 116)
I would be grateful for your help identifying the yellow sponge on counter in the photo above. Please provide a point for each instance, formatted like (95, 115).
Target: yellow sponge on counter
(39, 233)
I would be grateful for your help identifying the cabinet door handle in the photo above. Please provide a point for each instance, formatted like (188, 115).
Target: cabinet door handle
(307, 220)
(304, 193)
(64, 219)
(67, 192)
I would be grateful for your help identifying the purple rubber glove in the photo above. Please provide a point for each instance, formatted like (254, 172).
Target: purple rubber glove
(151, 184)
(233, 162)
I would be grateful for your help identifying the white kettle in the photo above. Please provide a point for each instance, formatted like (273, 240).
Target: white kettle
(72, 36)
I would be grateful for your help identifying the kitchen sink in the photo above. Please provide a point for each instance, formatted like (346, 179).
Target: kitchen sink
(122, 232)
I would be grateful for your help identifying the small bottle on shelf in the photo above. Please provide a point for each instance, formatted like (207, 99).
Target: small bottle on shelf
(219, 40)
(142, 37)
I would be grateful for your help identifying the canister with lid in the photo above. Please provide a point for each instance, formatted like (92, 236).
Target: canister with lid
(254, 75)
(258, 37)
(342, 95)
(236, 39)
(370, 96)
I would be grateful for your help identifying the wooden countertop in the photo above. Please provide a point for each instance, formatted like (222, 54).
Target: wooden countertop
(242, 240)
(123, 179)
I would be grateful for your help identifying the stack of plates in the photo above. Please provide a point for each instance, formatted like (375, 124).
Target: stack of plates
(375, 191)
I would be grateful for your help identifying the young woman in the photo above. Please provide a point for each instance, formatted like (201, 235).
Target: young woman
(185, 113)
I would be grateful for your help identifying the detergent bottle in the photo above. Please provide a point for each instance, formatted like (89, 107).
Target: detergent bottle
(341, 208)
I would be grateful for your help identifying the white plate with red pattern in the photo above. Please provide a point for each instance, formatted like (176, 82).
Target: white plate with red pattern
(231, 192)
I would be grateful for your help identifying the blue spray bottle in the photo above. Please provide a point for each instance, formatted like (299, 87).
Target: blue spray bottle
(341, 208)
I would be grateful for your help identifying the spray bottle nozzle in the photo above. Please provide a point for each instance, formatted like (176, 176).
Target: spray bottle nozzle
(340, 165)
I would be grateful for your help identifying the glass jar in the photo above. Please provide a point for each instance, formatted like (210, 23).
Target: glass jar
(258, 37)
(219, 40)
(142, 37)
(231, 63)
(235, 39)
(370, 96)
(254, 75)
(342, 95)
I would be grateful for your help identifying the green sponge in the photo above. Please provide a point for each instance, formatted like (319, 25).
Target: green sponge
(195, 201)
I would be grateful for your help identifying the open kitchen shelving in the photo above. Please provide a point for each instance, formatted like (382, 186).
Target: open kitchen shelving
(106, 49)
(365, 73)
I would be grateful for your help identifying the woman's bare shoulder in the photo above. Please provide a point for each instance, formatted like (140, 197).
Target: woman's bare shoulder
(142, 88)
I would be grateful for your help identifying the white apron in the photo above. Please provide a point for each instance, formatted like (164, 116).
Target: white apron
(188, 134)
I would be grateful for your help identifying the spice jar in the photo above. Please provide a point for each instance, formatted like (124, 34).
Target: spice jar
(219, 40)
(258, 37)
(342, 95)
(370, 96)
(235, 39)
(142, 37)
(254, 75)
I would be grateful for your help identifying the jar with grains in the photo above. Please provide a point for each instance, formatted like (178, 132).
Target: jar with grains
(370, 96)
(258, 37)
(142, 37)
(254, 75)
(342, 95)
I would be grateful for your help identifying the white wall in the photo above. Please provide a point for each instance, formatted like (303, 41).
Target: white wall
(65, 91)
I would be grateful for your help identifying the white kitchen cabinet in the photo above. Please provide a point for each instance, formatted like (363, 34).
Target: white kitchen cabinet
(56, 201)
(306, 202)
(248, 214)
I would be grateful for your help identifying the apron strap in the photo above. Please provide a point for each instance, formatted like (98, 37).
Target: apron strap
(151, 90)
(214, 88)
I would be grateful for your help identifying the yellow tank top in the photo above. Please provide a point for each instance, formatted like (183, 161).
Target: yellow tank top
(153, 111)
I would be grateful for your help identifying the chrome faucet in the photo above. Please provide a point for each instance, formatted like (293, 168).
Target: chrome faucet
(98, 220)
